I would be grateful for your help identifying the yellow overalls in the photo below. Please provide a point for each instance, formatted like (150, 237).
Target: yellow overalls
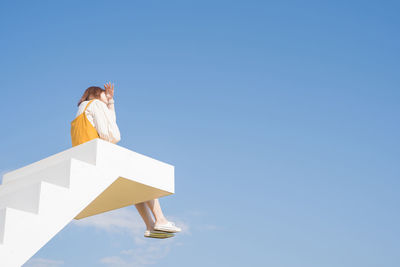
(82, 130)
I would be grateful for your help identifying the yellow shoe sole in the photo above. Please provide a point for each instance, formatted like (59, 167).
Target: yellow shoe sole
(156, 234)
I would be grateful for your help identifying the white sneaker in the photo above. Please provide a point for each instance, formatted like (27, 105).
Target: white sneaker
(157, 234)
(167, 227)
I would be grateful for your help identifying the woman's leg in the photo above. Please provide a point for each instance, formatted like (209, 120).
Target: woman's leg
(146, 216)
(154, 206)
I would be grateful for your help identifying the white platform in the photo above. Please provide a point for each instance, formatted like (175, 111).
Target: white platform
(40, 199)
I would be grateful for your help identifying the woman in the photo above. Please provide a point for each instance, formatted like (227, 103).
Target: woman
(96, 119)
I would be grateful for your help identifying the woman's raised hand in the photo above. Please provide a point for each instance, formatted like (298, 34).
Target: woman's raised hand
(109, 90)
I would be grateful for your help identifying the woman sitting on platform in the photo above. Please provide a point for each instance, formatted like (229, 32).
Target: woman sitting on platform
(97, 106)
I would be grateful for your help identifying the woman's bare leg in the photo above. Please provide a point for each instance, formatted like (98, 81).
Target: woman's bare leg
(154, 206)
(146, 216)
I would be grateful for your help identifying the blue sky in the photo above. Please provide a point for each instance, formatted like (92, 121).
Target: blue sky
(280, 117)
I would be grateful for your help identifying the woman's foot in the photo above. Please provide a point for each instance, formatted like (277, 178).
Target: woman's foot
(157, 234)
(168, 227)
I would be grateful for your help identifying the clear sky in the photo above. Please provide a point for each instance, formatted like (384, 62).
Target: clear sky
(280, 117)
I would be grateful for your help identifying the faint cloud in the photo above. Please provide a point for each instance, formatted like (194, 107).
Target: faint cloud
(113, 261)
(196, 213)
(41, 262)
(146, 254)
(125, 220)
(116, 221)
(128, 221)
(196, 218)
(147, 251)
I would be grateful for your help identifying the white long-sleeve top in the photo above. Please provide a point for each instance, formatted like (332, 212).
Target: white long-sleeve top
(102, 118)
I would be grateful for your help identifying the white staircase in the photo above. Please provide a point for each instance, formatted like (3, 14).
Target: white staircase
(39, 200)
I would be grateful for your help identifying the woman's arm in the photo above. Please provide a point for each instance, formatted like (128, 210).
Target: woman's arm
(112, 109)
(105, 122)
(109, 88)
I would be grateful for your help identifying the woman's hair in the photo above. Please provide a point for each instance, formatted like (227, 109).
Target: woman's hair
(91, 91)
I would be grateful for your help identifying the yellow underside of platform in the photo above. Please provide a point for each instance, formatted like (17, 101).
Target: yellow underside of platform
(121, 193)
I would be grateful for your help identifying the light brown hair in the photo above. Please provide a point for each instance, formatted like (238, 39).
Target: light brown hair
(91, 91)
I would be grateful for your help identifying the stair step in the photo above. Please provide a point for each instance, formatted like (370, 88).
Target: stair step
(56, 173)
(30, 197)
(15, 244)
(37, 201)
(22, 232)
(10, 221)
(86, 152)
